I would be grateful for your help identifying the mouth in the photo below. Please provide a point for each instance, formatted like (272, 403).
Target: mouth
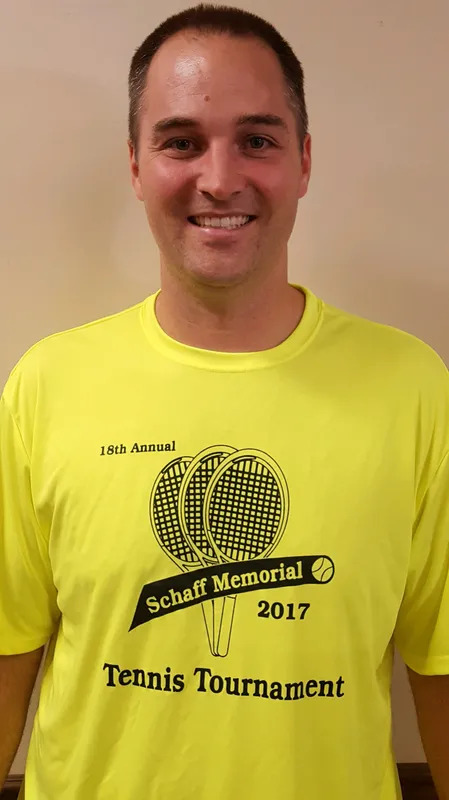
(229, 223)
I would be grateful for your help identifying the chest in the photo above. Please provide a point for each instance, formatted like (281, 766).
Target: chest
(294, 495)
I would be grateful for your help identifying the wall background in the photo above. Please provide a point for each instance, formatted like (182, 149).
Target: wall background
(372, 233)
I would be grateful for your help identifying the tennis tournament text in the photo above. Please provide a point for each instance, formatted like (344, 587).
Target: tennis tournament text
(205, 680)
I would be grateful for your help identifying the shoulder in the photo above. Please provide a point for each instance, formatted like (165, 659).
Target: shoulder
(55, 357)
(391, 372)
(385, 348)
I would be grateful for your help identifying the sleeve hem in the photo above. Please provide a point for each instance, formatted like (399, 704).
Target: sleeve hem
(437, 665)
(21, 648)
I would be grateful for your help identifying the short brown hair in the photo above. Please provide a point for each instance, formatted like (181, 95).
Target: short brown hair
(217, 19)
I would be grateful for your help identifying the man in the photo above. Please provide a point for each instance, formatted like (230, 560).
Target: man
(224, 506)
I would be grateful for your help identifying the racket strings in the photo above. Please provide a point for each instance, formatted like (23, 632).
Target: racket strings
(246, 510)
(194, 503)
(165, 510)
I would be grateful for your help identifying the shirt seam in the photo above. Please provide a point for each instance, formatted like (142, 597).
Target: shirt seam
(19, 432)
(428, 488)
(73, 329)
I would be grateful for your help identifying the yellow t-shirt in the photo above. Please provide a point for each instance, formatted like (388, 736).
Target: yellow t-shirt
(223, 548)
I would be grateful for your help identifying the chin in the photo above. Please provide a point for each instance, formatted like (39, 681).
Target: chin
(219, 279)
(219, 275)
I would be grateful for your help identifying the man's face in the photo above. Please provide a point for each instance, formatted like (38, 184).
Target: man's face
(219, 168)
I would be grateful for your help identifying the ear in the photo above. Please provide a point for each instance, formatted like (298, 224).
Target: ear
(306, 166)
(135, 171)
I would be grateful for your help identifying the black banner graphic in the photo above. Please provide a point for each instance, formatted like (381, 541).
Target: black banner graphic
(177, 592)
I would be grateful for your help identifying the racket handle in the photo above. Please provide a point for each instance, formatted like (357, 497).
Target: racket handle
(225, 619)
(209, 615)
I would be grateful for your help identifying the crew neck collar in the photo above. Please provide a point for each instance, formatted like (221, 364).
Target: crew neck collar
(220, 361)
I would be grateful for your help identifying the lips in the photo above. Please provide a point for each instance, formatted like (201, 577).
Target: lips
(227, 222)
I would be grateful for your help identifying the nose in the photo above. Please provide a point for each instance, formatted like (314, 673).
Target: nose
(220, 174)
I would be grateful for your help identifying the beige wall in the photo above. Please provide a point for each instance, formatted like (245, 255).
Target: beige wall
(372, 235)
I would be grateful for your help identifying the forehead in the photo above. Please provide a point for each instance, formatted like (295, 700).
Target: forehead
(238, 74)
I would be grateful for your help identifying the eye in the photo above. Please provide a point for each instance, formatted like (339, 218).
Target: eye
(180, 148)
(258, 142)
(181, 145)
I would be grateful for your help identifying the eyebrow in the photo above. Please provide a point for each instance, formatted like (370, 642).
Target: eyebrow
(170, 123)
(263, 119)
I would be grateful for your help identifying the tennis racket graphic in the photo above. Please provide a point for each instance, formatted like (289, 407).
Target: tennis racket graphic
(223, 506)
(245, 512)
(167, 528)
(190, 510)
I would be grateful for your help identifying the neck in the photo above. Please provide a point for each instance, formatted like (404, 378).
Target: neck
(229, 319)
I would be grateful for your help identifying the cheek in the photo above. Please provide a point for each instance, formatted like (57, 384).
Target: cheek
(164, 183)
(285, 186)
(278, 186)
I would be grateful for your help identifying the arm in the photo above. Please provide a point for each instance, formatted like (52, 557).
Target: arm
(431, 696)
(17, 678)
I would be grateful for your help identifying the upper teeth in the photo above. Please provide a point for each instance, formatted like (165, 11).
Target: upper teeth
(221, 222)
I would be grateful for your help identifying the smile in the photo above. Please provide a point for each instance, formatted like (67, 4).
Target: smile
(228, 223)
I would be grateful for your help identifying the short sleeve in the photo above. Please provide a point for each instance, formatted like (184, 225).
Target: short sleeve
(28, 607)
(422, 628)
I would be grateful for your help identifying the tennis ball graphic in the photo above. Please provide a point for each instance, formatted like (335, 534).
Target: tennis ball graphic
(323, 570)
